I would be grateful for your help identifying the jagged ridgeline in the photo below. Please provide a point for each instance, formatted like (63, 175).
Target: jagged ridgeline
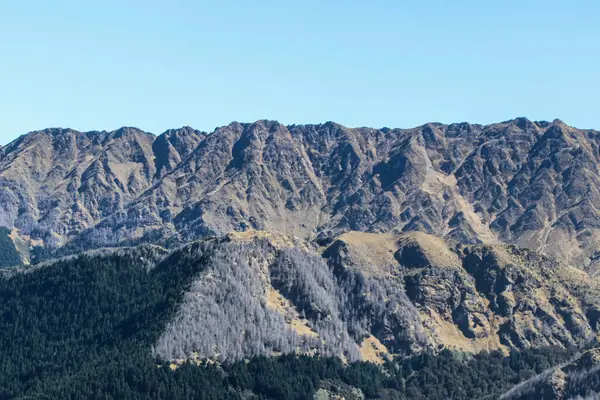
(533, 184)
(118, 321)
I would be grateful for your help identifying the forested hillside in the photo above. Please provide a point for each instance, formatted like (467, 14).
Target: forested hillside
(577, 379)
(8, 253)
(85, 327)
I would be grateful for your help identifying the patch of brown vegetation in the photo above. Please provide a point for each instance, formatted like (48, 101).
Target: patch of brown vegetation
(277, 239)
(371, 349)
(280, 304)
(374, 252)
(435, 249)
(447, 334)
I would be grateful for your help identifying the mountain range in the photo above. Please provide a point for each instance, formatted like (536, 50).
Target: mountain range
(532, 184)
(358, 243)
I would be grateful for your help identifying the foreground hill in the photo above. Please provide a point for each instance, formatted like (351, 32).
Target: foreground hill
(374, 296)
(534, 184)
(122, 323)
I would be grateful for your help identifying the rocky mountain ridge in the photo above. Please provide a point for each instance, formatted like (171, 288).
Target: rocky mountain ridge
(534, 184)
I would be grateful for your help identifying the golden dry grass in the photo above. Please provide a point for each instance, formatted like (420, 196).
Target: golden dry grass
(435, 249)
(276, 302)
(371, 349)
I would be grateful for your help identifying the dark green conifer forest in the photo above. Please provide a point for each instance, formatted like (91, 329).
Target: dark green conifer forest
(8, 253)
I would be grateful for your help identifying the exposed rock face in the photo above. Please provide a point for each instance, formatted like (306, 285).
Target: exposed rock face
(535, 184)
(58, 182)
(173, 146)
(355, 298)
(480, 296)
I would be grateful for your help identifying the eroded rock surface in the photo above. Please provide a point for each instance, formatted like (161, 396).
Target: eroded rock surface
(534, 184)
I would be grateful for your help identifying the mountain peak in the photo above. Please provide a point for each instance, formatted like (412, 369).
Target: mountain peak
(557, 121)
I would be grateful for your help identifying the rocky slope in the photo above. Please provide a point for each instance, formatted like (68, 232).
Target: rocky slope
(58, 182)
(373, 296)
(534, 184)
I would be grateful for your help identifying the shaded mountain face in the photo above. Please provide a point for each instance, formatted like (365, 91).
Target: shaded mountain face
(535, 184)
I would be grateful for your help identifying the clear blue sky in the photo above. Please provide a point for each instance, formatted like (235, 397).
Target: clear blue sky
(162, 64)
